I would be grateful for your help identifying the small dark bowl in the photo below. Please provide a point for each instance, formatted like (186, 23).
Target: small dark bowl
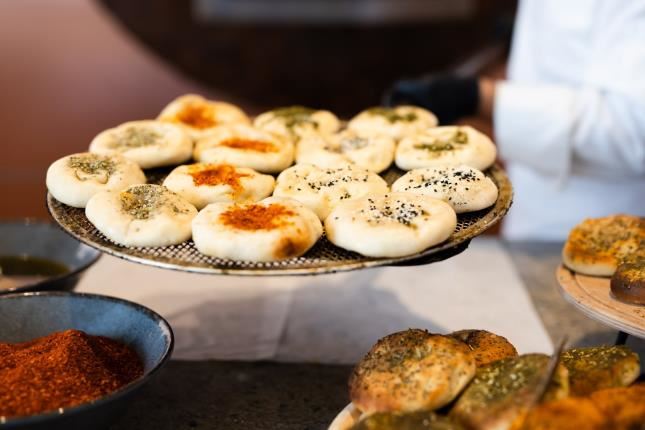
(45, 240)
(30, 315)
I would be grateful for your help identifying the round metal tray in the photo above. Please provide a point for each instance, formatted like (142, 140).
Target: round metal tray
(324, 257)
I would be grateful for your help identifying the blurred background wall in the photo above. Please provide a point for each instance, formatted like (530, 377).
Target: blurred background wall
(71, 68)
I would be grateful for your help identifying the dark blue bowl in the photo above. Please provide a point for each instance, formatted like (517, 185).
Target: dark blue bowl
(30, 315)
(44, 240)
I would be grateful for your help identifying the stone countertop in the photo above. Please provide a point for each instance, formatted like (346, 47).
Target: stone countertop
(231, 395)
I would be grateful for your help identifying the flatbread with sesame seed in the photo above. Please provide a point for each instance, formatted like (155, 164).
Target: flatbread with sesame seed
(269, 230)
(373, 153)
(446, 146)
(397, 122)
(148, 143)
(142, 215)
(199, 115)
(464, 188)
(245, 146)
(390, 225)
(204, 183)
(597, 246)
(410, 371)
(321, 190)
(75, 178)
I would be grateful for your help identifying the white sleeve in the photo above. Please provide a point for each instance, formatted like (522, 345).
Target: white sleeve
(548, 126)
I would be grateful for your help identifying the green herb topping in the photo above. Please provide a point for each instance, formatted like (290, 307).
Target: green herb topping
(391, 115)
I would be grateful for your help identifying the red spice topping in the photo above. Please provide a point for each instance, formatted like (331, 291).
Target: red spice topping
(222, 174)
(250, 144)
(61, 370)
(198, 115)
(256, 217)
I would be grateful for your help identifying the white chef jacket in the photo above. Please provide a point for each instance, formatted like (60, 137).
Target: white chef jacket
(570, 121)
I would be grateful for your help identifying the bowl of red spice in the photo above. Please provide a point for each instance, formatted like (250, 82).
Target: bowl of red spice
(72, 360)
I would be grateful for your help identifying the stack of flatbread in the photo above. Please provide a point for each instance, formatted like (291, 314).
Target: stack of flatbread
(474, 379)
(612, 246)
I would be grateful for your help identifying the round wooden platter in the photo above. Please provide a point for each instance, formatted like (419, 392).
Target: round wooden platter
(592, 296)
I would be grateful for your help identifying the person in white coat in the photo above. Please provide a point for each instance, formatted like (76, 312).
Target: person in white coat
(570, 119)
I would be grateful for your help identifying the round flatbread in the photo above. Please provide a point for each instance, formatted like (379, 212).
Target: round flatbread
(596, 246)
(446, 146)
(75, 178)
(464, 188)
(148, 143)
(245, 146)
(373, 153)
(390, 225)
(202, 184)
(199, 115)
(270, 230)
(142, 215)
(397, 122)
(322, 189)
(410, 371)
(294, 122)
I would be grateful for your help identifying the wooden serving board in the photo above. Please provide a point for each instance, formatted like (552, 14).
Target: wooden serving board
(592, 296)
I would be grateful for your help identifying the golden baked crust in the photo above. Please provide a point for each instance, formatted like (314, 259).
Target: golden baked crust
(503, 391)
(596, 246)
(409, 371)
(574, 413)
(591, 369)
(628, 283)
(624, 407)
(486, 346)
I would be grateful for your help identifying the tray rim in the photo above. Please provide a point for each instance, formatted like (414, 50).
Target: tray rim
(572, 292)
(430, 255)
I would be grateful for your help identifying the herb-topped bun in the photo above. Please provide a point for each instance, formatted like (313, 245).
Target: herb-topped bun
(594, 368)
(503, 391)
(373, 153)
(323, 189)
(411, 371)
(75, 178)
(199, 115)
(148, 143)
(464, 188)
(269, 230)
(202, 184)
(486, 346)
(397, 122)
(294, 122)
(446, 146)
(390, 225)
(142, 215)
(245, 146)
(597, 246)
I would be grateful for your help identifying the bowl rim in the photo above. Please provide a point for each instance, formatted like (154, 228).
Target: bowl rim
(44, 282)
(73, 410)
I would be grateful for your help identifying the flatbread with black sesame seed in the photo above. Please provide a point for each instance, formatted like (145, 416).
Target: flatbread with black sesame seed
(390, 225)
(464, 188)
(322, 189)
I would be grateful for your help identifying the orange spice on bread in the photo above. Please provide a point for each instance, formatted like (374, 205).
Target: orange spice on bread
(250, 144)
(256, 217)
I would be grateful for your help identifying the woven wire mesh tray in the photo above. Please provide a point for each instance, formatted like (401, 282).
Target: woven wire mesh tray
(324, 257)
